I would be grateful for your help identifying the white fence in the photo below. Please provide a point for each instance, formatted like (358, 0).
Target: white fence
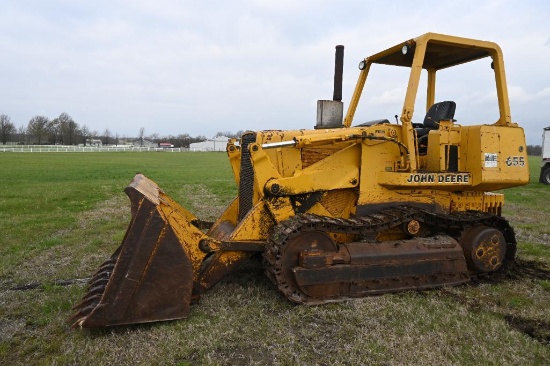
(62, 148)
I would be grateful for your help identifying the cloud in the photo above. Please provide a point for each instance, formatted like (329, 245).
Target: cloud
(187, 66)
(519, 95)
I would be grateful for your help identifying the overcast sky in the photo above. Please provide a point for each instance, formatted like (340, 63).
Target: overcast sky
(199, 67)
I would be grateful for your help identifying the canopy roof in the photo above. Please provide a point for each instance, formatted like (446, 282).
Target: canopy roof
(442, 51)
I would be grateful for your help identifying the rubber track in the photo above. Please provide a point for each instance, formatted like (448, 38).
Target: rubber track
(450, 224)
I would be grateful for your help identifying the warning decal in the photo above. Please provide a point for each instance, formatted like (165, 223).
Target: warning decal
(491, 160)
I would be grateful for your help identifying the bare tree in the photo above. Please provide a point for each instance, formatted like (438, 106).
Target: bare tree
(38, 128)
(93, 136)
(85, 133)
(141, 135)
(54, 130)
(182, 140)
(22, 132)
(107, 136)
(224, 133)
(6, 128)
(68, 128)
(230, 134)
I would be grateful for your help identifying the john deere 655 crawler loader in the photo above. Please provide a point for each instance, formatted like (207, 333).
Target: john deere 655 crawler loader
(338, 211)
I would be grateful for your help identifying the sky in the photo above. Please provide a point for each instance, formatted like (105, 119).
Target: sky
(200, 67)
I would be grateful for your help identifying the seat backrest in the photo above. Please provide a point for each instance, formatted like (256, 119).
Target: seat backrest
(437, 112)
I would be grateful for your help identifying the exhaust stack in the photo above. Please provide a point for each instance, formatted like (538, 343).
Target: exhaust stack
(338, 73)
(330, 113)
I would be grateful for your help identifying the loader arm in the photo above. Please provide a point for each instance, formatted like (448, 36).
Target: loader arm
(339, 170)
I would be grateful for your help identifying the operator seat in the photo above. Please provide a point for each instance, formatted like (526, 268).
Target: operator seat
(437, 112)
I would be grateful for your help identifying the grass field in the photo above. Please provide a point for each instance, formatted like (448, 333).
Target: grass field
(62, 214)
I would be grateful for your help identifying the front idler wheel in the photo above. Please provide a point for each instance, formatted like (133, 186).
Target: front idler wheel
(283, 257)
(484, 248)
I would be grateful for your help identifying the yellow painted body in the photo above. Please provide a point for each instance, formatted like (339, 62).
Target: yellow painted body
(358, 170)
(369, 168)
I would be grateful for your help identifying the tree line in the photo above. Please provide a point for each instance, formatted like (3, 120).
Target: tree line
(63, 130)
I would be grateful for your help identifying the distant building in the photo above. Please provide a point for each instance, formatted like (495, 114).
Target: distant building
(94, 142)
(165, 145)
(215, 144)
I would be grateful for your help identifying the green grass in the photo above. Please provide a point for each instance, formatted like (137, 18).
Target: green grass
(62, 214)
(43, 195)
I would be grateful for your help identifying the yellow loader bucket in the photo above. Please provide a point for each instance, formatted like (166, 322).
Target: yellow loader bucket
(151, 276)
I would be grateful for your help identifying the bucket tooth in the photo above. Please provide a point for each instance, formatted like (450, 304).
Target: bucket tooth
(98, 283)
(107, 267)
(88, 300)
(97, 289)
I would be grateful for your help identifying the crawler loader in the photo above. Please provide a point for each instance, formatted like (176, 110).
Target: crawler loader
(339, 211)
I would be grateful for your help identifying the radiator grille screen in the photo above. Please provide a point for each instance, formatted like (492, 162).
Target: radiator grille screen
(246, 184)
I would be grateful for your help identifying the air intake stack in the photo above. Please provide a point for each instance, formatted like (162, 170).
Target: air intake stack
(330, 113)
